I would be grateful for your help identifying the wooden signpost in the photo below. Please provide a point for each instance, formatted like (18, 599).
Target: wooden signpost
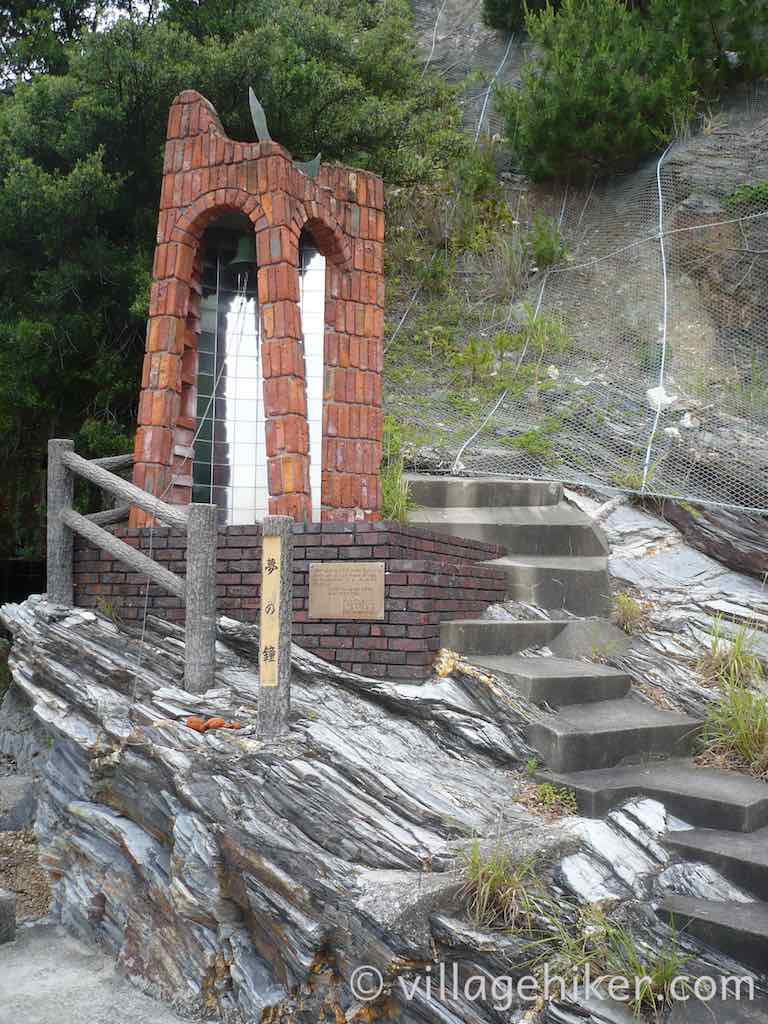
(275, 632)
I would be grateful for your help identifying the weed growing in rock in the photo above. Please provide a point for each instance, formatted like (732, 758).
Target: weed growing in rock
(568, 939)
(736, 731)
(611, 950)
(499, 893)
(731, 660)
(628, 612)
(396, 500)
(550, 801)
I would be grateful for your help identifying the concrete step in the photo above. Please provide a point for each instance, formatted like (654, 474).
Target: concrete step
(705, 797)
(581, 585)
(738, 929)
(480, 492)
(557, 681)
(581, 737)
(487, 636)
(567, 638)
(534, 530)
(743, 858)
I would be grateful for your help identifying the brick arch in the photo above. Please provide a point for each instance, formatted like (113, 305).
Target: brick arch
(205, 174)
(195, 218)
(328, 235)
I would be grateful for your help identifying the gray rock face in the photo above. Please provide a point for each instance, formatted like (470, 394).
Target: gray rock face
(7, 916)
(249, 881)
(239, 876)
(17, 803)
(21, 735)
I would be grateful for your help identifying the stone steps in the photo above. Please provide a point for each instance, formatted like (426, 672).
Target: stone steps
(488, 636)
(525, 530)
(742, 858)
(601, 742)
(557, 681)
(480, 492)
(583, 737)
(738, 929)
(580, 585)
(567, 638)
(705, 797)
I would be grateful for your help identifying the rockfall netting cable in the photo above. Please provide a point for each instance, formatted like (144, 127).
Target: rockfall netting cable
(648, 368)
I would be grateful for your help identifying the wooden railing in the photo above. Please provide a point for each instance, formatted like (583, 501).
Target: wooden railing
(199, 521)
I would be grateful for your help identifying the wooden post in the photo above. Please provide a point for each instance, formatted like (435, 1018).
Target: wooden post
(200, 637)
(275, 634)
(59, 556)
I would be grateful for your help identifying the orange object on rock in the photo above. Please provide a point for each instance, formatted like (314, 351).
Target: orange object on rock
(214, 723)
(198, 724)
(232, 725)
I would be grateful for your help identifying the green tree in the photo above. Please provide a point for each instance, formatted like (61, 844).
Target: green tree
(607, 89)
(80, 172)
(510, 14)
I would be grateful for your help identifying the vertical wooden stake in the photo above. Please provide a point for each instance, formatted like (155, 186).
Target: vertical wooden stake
(200, 636)
(59, 555)
(275, 633)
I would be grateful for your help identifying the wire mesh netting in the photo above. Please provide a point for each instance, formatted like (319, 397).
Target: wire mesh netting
(634, 356)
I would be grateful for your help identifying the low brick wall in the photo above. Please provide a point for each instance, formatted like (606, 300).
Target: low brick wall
(429, 578)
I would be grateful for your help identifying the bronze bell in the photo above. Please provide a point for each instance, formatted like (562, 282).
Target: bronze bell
(245, 255)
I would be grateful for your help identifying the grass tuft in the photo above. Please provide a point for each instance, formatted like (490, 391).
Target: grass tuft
(499, 893)
(736, 731)
(629, 613)
(731, 660)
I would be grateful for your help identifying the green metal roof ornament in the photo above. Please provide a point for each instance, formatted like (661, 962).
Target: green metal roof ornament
(259, 118)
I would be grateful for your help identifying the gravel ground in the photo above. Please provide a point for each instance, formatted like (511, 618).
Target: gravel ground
(8, 765)
(21, 873)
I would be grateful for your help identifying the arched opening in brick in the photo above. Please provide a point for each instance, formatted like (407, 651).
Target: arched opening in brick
(312, 294)
(230, 464)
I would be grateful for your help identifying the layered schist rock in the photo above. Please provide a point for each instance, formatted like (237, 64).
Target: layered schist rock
(236, 877)
(250, 882)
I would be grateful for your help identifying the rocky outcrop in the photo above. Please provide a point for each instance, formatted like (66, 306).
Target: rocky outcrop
(736, 539)
(250, 881)
(233, 876)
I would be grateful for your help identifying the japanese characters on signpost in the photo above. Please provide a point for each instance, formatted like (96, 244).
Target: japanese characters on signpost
(275, 633)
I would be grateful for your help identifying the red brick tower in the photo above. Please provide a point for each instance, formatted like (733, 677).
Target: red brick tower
(205, 175)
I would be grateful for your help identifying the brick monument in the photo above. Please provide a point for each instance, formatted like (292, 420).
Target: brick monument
(206, 176)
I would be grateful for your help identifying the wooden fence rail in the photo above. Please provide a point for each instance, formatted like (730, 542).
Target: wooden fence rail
(199, 521)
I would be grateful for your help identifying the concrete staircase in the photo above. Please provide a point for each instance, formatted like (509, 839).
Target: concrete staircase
(601, 741)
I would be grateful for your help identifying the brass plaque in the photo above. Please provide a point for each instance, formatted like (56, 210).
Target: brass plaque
(271, 556)
(346, 590)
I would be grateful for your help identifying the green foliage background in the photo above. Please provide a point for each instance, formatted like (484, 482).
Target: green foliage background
(85, 89)
(82, 126)
(613, 80)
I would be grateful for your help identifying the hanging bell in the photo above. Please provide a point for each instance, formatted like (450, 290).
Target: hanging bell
(245, 255)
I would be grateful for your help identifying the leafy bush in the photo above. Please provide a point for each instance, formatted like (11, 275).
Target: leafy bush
(510, 14)
(545, 241)
(725, 38)
(608, 89)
